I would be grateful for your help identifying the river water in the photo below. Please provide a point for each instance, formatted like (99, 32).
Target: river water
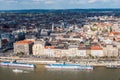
(99, 73)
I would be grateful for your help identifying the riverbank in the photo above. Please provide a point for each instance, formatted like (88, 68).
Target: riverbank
(36, 61)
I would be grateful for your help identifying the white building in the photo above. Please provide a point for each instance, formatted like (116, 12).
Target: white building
(96, 51)
(49, 51)
(81, 53)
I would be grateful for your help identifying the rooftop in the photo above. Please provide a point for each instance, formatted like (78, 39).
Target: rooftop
(24, 42)
(96, 48)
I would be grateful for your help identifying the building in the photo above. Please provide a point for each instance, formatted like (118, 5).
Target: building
(97, 51)
(6, 40)
(24, 46)
(81, 52)
(49, 51)
(8, 36)
(38, 48)
(110, 50)
(45, 32)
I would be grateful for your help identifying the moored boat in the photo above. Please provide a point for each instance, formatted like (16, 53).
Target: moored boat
(112, 67)
(17, 70)
(17, 64)
(69, 66)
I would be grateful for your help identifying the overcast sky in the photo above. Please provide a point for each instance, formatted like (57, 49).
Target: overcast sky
(57, 4)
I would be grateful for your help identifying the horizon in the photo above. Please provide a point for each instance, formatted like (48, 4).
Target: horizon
(66, 9)
(58, 4)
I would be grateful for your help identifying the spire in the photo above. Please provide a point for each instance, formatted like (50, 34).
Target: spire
(53, 25)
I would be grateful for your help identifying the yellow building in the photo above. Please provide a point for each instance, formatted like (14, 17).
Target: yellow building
(38, 49)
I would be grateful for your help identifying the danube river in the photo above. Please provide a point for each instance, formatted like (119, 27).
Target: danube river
(99, 73)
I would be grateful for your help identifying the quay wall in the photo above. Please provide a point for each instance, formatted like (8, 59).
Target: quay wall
(47, 61)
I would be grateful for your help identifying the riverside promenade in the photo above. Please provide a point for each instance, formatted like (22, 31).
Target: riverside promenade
(91, 62)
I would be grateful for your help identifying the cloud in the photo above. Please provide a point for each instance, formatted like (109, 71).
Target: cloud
(36, 1)
(101, 1)
(9, 1)
(44, 1)
(49, 2)
(77, 2)
(92, 1)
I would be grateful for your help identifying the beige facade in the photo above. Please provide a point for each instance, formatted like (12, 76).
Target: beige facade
(38, 49)
(110, 50)
(97, 53)
(81, 53)
(49, 52)
(24, 46)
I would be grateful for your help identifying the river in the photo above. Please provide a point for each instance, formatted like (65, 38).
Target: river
(99, 73)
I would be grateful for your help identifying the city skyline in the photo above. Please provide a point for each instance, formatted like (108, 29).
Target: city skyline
(57, 4)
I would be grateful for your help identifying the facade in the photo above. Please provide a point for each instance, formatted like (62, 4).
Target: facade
(8, 36)
(24, 46)
(6, 40)
(97, 51)
(45, 32)
(49, 51)
(81, 53)
(111, 51)
(38, 49)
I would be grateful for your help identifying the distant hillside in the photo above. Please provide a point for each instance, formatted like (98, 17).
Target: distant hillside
(60, 10)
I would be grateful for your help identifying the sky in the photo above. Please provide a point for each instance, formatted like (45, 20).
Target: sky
(57, 4)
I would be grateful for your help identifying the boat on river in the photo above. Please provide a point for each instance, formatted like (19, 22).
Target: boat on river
(17, 64)
(69, 66)
(17, 71)
(113, 67)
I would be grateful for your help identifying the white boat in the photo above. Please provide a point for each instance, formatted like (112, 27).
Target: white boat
(17, 64)
(111, 66)
(69, 66)
(17, 70)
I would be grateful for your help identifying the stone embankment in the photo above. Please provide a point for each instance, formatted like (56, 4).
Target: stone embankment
(49, 61)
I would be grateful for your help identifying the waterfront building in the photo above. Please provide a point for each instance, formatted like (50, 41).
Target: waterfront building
(65, 52)
(58, 53)
(38, 48)
(97, 51)
(81, 52)
(72, 49)
(24, 46)
(49, 51)
(110, 50)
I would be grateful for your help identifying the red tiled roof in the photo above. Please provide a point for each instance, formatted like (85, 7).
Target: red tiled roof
(115, 33)
(24, 42)
(117, 39)
(96, 48)
(51, 47)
